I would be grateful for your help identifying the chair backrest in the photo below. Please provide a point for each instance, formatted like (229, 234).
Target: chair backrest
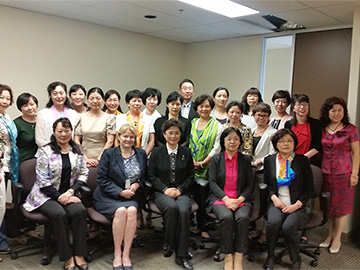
(92, 178)
(318, 180)
(27, 174)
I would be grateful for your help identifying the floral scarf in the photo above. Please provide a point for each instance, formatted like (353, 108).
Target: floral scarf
(139, 124)
(14, 158)
(286, 174)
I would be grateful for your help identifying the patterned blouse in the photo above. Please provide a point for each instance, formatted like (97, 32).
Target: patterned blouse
(247, 147)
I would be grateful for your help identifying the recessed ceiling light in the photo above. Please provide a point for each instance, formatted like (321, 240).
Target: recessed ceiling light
(150, 16)
(224, 7)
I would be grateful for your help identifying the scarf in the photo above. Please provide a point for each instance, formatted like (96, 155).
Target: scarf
(139, 124)
(286, 174)
(14, 157)
(202, 144)
(57, 114)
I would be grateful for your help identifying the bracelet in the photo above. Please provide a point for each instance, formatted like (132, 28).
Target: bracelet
(201, 165)
(71, 191)
(353, 175)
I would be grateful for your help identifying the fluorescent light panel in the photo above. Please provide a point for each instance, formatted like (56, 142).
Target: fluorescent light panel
(224, 7)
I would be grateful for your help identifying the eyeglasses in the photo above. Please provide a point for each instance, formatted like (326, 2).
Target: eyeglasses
(173, 133)
(261, 115)
(284, 142)
(302, 105)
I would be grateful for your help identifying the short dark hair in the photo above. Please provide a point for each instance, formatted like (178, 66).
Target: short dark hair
(186, 81)
(4, 87)
(200, 99)
(108, 94)
(151, 92)
(219, 89)
(133, 94)
(76, 87)
(281, 133)
(172, 123)
(328, 105)
(225, 133)
(297, 98)
(173, 96)
(262, 107)
(250, 91)
(51, 87)
(281, 94)
(65, 122)
(235, 103)
(96, 90)
(24, 99)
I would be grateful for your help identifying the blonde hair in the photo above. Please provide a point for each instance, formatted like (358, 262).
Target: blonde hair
(122, 130)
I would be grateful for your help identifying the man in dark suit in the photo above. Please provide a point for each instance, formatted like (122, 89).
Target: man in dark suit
(186, 89)
(171, 172)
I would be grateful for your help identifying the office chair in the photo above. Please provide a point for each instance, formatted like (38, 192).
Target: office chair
(317, 219)
(27, 178)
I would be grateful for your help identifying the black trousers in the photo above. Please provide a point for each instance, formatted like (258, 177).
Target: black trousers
(289, 224)
(62, 217)
(177, 221)
(233, 222)
(201, 194)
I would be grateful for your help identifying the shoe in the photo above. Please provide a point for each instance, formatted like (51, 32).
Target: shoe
(127, 267)
(5, 251)
(269, 263)
(168, 251)
(186, 265)
(71, 267)
(190, 255)
(140, 224)
(81, 266)
(119, 267)
(324, 245)
(296, 265)
(334, 250)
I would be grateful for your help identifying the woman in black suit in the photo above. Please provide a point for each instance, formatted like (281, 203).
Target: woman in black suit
(171, 172)
(231, 184)
(121, 173)
(290, 185)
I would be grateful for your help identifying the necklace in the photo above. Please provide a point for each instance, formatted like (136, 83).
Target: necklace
(261, 131)
(333, 130)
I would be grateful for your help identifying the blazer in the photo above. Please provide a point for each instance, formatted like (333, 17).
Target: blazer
(193, 114)
(217, 177)
(301, 187)
(48, 173)
(264, 147)
(315, 131)
(159, 169)
(283, 120)
(111, 174)
(159, 136)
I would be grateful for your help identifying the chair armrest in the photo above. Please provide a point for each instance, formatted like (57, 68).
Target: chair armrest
(17, 192)
(324, 206)
(263, 198)
(86, 196)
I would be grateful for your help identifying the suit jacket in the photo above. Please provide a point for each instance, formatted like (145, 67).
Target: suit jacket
(159, 136)
(315, 131)
(217, 177)
(159, 169)
(301, 187)
(264, 147)
(193, 114)
(111, 174)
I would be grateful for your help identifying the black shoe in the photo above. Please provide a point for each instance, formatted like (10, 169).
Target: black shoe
(5, 251)
(168, 251)
(190, 255)
(269, 263)
(186, 265)
(296, 265)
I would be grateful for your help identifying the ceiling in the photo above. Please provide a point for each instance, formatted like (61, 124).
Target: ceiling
(186, 24)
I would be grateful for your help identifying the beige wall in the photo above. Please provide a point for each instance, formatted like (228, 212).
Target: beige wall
(37, 49)
(233, 63)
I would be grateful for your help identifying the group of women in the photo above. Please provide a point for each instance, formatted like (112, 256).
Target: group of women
(217, 158)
